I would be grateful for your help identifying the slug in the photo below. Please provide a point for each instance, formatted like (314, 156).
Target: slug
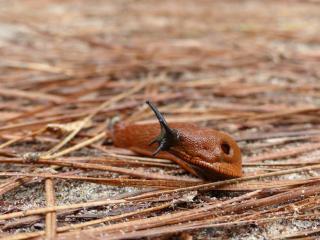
(207, 153)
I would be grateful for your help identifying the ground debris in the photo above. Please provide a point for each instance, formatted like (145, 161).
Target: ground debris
(70, 70)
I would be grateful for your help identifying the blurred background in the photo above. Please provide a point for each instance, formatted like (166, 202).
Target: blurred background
(257, 45)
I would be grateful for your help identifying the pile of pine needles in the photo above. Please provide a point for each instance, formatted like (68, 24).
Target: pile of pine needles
(69, 70)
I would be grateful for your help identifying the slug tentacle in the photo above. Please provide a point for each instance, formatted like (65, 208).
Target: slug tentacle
(168, 137)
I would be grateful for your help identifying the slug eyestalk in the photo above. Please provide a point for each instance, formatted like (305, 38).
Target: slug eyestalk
(168, 137)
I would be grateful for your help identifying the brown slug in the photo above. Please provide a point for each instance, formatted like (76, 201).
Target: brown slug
(203, 152)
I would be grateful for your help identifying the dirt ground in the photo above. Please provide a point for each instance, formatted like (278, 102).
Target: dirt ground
(74, 68)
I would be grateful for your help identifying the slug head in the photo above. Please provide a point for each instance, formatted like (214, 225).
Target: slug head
(212, 154)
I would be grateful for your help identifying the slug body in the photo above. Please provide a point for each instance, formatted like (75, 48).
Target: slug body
(204, 152)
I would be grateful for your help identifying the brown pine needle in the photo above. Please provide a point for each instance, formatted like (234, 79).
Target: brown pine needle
(113, 100)
(116, 181)
(90, 223)
(51, 217)
(101, 167)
